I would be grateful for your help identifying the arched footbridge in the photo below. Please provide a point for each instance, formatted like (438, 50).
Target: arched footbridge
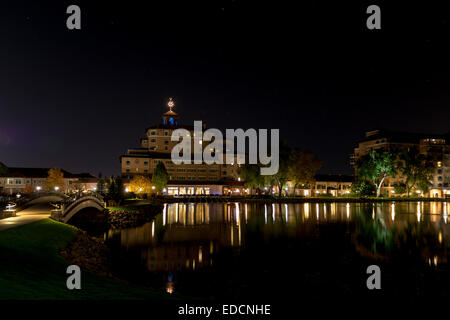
(65, 207)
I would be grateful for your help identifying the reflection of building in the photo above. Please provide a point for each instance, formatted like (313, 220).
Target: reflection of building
(183, 178)
(27, 180)
(435, 146)
(193, 232)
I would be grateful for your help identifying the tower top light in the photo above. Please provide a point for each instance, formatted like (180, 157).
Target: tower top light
(170, 104)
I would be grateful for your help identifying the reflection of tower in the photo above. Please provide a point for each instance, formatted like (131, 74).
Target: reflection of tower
(170, 117)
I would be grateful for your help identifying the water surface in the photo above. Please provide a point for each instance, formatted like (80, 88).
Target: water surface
(266, 251)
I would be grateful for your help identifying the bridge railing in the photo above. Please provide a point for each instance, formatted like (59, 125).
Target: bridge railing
(36, 195)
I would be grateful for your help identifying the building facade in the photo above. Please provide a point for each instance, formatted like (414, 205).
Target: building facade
(325, 184)
(434, 146)
(28, 180)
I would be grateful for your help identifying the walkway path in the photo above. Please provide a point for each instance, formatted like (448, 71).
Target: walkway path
(31, 214)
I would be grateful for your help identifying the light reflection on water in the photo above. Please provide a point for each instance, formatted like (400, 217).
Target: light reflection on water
(188, 236)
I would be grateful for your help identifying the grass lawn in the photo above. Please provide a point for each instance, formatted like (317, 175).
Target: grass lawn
(31, 268)
(134, 204)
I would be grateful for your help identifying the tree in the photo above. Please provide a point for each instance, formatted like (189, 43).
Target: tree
(423, 186)
(302, 168)
(400, 188)
(160, 176)
(100, 184)
(251, 175)
(363, 188)
(119, 196)
(115, 189)
(112, 190)
(417, 169)
(55, 179)
(376, 166)
(140, 184)
(28, 189)
(3, 169)
(282, 176)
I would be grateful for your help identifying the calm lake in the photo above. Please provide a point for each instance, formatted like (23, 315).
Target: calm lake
(266, 251)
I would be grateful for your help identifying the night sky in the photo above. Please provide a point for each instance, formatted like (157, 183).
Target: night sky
(79, 99)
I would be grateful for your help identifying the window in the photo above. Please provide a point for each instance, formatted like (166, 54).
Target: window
(145, 163)
(153, 140)
(166, 133)
(166, 142)
(166, 148)
(153, 133)
(128, 170)
(128, 162)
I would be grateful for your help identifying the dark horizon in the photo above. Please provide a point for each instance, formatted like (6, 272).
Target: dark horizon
(79, 99)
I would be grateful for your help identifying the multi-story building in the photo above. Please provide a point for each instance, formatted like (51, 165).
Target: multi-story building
(27, 180)
(434, 146)
(183, 178)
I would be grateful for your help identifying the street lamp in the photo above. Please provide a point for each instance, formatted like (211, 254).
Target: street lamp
(38, 188)
(56, 188)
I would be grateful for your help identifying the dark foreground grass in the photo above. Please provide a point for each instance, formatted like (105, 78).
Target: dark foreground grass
(31, 268)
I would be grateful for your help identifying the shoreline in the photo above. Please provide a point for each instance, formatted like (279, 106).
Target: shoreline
(221, 199)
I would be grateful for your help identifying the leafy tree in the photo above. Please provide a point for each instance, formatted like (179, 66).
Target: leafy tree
(282, 176)
(55, 179)
(140, 184)
(160, 176)
(417, 169)
(119, 196)
(100, 184)
(251, 175)
(376, 166)
(28, 189)
(3, 169)
(363, 188)
(424, 186)
(303, 167)
(115, 189)
(112, 190)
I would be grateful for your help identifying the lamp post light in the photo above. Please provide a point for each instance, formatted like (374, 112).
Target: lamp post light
(56, 188)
